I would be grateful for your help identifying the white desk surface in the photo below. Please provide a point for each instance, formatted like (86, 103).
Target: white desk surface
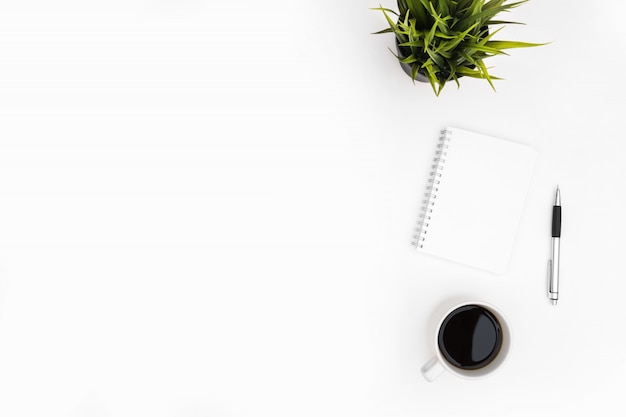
(207, 208)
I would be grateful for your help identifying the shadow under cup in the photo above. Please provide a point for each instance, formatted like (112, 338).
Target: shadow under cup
(473, 340)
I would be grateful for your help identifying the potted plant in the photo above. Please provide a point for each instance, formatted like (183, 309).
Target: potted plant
(442, 40)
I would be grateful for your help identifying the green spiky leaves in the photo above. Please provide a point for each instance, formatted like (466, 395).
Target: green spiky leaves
(447, 39)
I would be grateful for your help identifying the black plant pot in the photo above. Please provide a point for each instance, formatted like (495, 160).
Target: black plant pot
(420, 76)
(407, 68)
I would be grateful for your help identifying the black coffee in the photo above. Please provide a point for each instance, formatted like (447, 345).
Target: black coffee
(470, 337)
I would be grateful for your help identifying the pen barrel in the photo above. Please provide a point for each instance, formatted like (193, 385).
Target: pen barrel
(553, 287)
(556, 221)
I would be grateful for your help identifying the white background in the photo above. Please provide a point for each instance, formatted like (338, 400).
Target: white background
(206, 210)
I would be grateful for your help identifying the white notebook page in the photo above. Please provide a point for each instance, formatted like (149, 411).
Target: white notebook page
(479, 202)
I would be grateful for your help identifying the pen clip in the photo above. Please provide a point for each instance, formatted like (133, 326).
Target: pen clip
(549, 268)
(549, 275)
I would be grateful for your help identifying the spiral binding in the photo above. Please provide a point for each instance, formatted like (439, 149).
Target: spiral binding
(431, 190)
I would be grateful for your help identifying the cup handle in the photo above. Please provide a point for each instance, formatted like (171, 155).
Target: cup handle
(432, 369)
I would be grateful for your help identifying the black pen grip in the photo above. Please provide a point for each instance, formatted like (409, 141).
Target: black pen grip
(556, 221)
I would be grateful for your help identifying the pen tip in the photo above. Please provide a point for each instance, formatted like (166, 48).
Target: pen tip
(557, 198)
(553, 302)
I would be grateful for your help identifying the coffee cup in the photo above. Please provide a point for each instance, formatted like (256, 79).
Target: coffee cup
(472, 340)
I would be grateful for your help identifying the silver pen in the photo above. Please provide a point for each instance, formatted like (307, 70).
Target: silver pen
(554, 263)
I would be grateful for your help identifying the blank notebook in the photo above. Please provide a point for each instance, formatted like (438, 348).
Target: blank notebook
(474, 199)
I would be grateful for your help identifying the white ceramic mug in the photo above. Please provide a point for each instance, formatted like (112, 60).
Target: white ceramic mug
(438, 364)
